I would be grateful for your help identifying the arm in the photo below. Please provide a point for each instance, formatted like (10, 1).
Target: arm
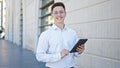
(42, 48)
(79, 49)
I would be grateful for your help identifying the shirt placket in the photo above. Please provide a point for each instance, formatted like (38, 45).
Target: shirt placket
(64, 40)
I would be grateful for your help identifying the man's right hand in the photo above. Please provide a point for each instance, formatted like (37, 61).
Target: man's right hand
(64, 53)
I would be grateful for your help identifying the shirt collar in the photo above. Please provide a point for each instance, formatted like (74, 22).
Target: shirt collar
(55, 27)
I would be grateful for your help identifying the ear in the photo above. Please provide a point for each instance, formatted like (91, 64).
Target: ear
(65, 13)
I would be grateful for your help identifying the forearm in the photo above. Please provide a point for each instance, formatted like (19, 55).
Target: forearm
(48, 57)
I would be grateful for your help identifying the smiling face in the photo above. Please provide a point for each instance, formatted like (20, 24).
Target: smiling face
(58, 14)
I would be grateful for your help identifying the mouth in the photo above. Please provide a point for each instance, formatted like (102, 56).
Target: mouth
(59, 18)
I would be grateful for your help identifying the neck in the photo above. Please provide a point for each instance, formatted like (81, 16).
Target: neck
(60, 25)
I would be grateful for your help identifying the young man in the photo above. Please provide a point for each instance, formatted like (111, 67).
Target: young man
(55, 43)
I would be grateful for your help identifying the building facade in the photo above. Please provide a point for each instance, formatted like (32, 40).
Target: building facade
(97, 20)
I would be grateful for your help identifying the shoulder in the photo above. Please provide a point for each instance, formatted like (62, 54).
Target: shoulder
(71, 30)
(46, 33)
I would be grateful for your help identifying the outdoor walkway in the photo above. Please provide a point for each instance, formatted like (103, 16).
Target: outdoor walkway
(12, 56)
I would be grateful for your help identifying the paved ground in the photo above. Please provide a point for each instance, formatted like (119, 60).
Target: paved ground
(12, 56)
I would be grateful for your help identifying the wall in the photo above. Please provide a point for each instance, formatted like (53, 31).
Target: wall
(99, 21)
(30, 21)
(4, 14)
(12, 21)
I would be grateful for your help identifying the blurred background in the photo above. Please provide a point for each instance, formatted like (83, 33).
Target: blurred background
(22, 21)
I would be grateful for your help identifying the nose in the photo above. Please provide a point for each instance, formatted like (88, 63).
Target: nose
(59, 14)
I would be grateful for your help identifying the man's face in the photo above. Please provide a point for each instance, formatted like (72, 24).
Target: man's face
(58, 14)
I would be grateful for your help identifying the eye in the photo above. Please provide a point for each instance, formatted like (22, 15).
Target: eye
(55, 12)
(58, 12)
(61, 12)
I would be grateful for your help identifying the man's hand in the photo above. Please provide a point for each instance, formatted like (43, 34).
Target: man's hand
(64, 53)
(80, 49)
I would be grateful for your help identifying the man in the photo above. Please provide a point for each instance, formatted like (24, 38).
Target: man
(55, 43)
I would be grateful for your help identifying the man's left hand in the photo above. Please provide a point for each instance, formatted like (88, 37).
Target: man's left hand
(80, 49)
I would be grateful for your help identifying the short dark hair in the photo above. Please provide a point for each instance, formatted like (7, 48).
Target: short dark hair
(57, 4)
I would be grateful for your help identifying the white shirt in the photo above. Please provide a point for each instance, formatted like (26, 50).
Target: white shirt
(52, 42)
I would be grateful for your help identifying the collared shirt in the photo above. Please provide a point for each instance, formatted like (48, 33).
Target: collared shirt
(52, 42)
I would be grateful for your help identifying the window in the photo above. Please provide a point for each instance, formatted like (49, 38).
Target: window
(45, 18)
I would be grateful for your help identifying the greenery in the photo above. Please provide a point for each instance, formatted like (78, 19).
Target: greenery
(1, 31)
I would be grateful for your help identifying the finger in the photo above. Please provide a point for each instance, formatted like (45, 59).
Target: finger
(82, 45)
(78, 49)
(66, 52)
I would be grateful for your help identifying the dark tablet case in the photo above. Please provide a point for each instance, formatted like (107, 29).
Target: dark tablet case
(80, 42)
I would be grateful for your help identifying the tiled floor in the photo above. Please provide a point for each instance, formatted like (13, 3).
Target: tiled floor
(12, 56)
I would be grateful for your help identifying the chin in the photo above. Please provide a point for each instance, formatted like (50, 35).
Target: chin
(59, 21)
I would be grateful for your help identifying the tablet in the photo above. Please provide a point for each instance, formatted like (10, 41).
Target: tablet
(80, 42)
